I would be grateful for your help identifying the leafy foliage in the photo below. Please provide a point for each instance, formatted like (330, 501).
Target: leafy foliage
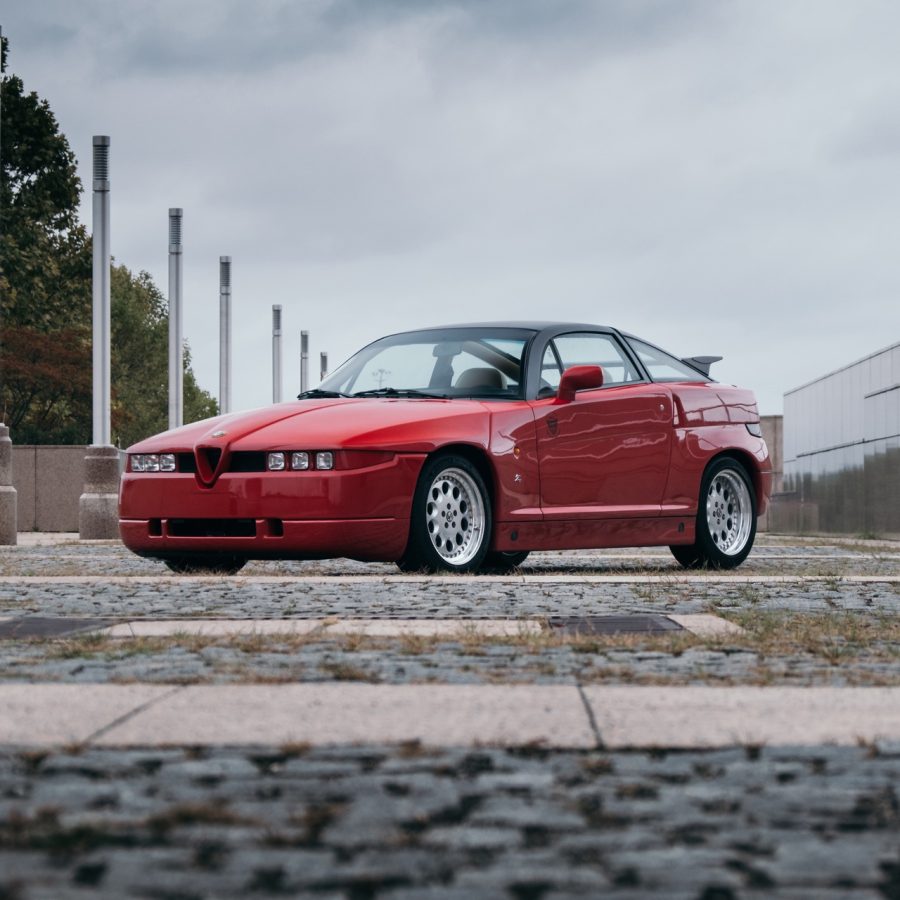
(45, 298)
(140, 359)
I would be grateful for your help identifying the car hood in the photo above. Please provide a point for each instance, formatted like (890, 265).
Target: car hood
(333, 423)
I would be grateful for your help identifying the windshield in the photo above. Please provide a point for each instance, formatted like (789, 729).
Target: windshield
(445, 363)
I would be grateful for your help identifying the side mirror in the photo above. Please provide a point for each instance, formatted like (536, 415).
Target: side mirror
(578, 378)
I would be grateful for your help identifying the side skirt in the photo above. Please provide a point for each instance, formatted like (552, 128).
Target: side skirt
(584, 534)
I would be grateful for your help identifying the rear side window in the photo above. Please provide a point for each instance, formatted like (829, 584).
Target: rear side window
(663, 367)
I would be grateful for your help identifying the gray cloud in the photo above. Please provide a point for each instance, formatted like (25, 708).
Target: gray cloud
(720, 177)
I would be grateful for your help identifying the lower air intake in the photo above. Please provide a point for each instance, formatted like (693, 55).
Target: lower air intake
(212, 527)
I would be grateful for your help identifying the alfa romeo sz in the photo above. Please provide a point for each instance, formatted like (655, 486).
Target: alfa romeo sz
(460, 448)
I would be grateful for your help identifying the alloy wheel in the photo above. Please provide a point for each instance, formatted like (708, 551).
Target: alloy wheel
(729, 512)
(455, 516)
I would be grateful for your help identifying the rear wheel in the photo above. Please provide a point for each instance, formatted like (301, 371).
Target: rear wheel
(726, 519)
(450, 527)
(206, 564)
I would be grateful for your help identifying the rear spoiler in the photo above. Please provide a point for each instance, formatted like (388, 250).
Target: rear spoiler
(701, 363)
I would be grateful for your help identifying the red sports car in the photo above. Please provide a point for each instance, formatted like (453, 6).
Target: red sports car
(460, 448)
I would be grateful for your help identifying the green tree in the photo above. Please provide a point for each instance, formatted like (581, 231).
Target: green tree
(45, 298)
(46, 261)
(140, 360)
(45, 270)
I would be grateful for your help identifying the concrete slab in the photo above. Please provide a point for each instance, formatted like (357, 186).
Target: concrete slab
(444, 715)
(698, 717)
(329, 627)
(58, 486)
(212, 627)
(436, 627)
(706, 624)
(23, 479)
(438, 715)
(50, 539)
(61, 714)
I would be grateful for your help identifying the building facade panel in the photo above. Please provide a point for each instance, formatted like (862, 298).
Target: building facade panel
(842, 450)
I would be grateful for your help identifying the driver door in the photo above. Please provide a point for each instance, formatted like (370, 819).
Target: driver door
(606, 453)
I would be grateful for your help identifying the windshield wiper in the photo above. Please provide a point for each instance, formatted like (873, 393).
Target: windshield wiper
(318, 392)
(401, 392)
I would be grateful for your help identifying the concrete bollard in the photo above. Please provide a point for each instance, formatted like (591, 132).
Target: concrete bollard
(98, 506)
(8, 511)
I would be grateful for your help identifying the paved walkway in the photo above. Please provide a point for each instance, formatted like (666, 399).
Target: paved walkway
(445, 715)
(335, 730)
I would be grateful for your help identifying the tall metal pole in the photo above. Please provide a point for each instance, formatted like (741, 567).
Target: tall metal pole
(2, 211)
(176, 322)
(323, 366)
(224, 334)
(276, 353)
(101, 292)
(304, 361)
(98, 515)
(8, 493)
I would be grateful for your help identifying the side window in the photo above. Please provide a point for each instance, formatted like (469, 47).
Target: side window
(662, 366)
(596, 350)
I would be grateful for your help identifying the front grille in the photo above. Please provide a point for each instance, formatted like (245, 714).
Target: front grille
(212, 527)
(186, 462)
(213, 455)
(247, 461)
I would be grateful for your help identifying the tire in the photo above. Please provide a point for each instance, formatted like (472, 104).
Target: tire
(206, 564)
(726, 518)
(450, 528)
(504, 560)
(687, 555)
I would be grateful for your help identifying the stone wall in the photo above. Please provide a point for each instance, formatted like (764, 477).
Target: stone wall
(49, 480)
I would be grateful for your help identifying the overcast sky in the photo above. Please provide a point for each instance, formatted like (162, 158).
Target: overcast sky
(720, 177)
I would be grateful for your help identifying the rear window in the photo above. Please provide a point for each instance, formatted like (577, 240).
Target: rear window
(663, 367)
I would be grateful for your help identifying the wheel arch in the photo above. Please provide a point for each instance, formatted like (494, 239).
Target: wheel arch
(750, 464)
(479, 458)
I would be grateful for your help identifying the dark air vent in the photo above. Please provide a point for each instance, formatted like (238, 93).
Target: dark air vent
(213, 455)
(247, 461)
(212, 527)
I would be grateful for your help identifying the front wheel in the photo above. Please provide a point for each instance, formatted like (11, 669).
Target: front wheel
(450, 529)
(726, 519)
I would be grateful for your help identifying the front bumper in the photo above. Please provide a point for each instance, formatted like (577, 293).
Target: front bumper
(358, 513)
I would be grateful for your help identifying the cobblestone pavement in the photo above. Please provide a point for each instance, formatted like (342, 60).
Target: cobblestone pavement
(771, 555)
(673, 658)
(404, 823)
(822, 613)
(407, 822)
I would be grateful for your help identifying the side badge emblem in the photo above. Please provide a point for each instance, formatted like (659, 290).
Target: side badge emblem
(552, 425)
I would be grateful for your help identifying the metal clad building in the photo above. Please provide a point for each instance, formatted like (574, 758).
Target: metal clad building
(842, 448)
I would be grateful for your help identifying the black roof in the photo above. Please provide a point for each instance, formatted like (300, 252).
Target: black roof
(523, 324)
